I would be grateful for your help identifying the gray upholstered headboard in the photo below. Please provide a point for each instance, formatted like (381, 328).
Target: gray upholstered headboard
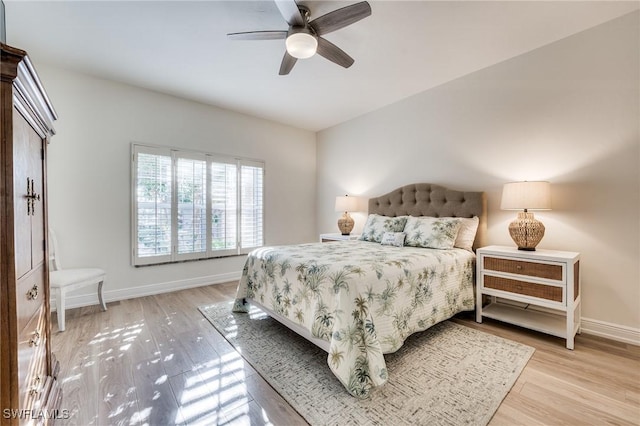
(425, 199)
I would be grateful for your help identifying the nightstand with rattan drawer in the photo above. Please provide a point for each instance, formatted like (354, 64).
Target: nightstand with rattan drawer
(538, 289)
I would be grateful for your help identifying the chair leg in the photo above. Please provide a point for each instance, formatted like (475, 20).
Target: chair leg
(102, 304)
(60, 307)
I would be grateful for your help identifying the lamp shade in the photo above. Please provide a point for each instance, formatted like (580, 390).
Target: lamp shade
(301, 45)
(526, 196)
(346, 204)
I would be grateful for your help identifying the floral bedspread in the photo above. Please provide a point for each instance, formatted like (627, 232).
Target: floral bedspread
(362, 297)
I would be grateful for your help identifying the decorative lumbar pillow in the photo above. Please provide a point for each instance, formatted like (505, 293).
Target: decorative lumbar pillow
(393, 239)
(467, 233)
(377, 225)
(431, 232)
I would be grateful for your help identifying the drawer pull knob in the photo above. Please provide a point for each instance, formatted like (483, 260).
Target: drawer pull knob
(35, 388)
(33, 293)
(35, 340)
(518, 267)
(519, 287)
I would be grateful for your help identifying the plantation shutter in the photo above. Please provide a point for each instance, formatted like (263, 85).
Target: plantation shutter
(224, 207)
(188, 205)
(251, 205)
(152, 205)
(191, 207)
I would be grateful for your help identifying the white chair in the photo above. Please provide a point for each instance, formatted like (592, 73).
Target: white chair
(65, 280)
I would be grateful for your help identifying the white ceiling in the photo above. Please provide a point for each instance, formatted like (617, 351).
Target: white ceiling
(181, 48)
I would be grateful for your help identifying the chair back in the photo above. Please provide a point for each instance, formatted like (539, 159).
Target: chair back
(54, 257)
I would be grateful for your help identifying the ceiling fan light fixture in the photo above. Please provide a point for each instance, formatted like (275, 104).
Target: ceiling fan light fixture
(301, 45)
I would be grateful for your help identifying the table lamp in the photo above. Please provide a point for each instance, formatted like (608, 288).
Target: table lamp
(346, 204)
(526, 231)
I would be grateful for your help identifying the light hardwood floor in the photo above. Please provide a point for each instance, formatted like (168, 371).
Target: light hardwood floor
(155, 360)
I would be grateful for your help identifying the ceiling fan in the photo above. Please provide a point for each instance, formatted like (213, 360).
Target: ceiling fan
(304, 38)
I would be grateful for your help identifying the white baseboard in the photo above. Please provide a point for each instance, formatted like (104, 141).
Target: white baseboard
(617, 332)
(145, 290)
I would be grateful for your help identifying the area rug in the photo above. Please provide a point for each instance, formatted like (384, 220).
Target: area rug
(447, 375)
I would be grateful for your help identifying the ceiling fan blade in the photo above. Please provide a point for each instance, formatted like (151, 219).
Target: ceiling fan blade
(290, 12)
(340, 18)
(334, 53)
(258, 35)
(287, 64)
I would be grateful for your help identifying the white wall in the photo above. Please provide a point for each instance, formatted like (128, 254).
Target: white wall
(90, 165)
(567, 112)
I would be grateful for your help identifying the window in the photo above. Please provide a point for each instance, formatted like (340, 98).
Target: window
(189, 205)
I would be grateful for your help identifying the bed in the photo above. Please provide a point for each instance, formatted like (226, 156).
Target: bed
(359, 300)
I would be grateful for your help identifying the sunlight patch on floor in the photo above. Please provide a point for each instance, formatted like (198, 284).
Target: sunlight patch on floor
(72, 378)
(213, 388)
(213, 391)
(128, 331)
(160, 380)
(139, 417)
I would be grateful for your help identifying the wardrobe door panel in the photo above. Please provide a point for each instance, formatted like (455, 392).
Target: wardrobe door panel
(21, 188)
(37, 205)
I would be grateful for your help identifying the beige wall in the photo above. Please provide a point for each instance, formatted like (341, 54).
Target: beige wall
(567, 112)
(90, 167)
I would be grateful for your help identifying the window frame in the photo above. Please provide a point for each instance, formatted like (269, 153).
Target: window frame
(175, 154)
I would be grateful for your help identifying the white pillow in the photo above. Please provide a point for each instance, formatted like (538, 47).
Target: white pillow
(467, 232)
(377, 225)
(431, 232)
(393, 239)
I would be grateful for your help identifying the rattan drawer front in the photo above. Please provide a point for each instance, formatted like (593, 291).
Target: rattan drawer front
(540, 291)
(540, 270)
